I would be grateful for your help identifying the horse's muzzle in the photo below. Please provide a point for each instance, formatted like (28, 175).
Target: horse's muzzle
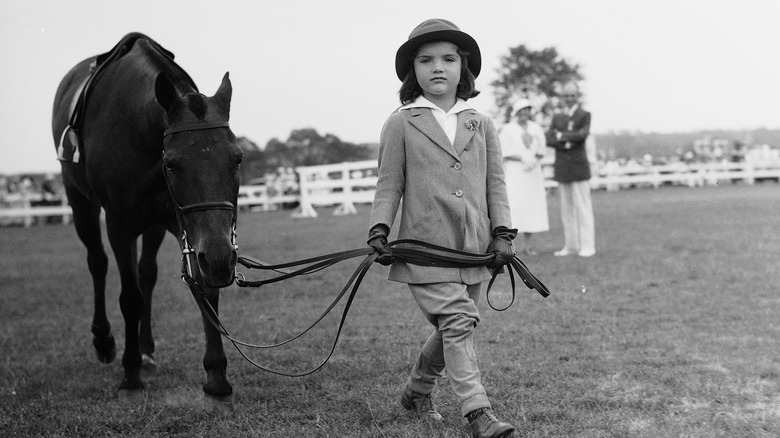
(218, 272)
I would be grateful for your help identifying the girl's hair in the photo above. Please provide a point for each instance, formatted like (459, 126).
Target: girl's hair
(411, 90)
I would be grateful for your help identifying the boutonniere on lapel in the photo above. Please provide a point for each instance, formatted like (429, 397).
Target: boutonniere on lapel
(472, 124)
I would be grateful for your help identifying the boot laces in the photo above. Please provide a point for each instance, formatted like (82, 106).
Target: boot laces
(485, 417)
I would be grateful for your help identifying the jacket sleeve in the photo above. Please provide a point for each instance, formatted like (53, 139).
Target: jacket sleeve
(551, 135)
(581, 133)
(391, 179)
(498, 205)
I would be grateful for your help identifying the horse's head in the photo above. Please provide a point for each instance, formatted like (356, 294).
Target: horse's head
(200, 162)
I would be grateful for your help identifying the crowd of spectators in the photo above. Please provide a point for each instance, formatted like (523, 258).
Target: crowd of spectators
(703, 151)
(282, 182)
(25, 191)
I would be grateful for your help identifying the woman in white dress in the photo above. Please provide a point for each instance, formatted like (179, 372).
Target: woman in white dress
(523, 146)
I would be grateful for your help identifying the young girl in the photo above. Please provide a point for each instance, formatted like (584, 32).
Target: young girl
(444, 160)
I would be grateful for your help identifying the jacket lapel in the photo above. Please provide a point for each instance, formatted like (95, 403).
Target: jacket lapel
(463, 134)
(423, 120)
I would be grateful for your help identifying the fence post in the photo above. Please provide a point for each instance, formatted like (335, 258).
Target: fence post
(28, 219)
(307, 210)
(750, 173)
(347, 206)
(66, 216)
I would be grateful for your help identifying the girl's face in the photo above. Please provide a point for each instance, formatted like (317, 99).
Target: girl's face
(437, 66)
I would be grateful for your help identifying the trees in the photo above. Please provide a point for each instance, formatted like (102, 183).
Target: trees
(535, 75)
(303, 147)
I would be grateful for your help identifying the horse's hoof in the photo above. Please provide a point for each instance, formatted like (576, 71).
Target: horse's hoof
(148, 363)
(218, 388)
(218, 406)
(105, 347)
(133, 383)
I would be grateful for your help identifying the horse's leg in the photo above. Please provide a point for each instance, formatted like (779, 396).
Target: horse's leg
(130, 300)
(214, 361)
(147, 274)
(86, 219)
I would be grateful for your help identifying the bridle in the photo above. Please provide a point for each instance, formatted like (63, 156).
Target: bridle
(181, 211)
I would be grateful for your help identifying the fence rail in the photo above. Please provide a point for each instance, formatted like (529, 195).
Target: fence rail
(345, 184)
(27, 213)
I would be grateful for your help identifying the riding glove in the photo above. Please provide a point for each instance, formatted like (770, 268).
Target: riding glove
(377, 239)
(502, 247)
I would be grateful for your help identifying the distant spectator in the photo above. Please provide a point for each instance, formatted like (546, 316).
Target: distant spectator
(51, 189)
(13, 197)
(568, 132)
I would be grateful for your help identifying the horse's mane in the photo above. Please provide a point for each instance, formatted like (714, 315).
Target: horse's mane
(159, 57)
(163, 61)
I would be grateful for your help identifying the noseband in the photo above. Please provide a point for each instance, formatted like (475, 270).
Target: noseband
(187, 249)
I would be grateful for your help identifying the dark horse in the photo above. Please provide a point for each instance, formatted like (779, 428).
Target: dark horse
(156, 155)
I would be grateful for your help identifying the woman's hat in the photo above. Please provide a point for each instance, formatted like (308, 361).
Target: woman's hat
(437, 29)
(520, 104)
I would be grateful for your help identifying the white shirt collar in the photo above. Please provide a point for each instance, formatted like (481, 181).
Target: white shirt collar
(422, 102)
(448, 121)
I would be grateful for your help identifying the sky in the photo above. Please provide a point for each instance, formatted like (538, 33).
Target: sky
(651, 66)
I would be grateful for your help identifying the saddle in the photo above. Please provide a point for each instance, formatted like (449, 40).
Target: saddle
(69, 148)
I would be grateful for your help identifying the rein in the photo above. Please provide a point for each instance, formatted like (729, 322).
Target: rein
(409, 251)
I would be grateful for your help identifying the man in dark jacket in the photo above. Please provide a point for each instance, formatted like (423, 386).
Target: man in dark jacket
(568, 131)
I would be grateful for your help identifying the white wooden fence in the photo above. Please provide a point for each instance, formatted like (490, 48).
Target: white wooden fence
(693, 175)
(26, 212)
(342, 185)
(346, 184)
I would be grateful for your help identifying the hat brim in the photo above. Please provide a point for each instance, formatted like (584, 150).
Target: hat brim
(517, 110)
(403, 58)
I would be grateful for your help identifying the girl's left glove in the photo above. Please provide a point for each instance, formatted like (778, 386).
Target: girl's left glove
(502, 247)
(377, 239)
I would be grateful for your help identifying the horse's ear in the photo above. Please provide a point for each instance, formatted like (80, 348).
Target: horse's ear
(224, 94)
(165, 92)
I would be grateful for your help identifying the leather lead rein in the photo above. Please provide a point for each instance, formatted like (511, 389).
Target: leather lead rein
(420, 253)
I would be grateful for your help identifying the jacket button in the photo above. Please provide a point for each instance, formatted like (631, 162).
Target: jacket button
(459, 193)
(457, 166)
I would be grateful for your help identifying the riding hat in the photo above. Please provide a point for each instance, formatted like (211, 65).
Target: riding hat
(437, 29)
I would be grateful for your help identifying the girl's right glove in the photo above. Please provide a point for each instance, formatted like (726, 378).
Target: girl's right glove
(502, 247)
(377, 239)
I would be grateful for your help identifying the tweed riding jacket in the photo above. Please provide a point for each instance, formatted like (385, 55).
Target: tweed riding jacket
(453, 195)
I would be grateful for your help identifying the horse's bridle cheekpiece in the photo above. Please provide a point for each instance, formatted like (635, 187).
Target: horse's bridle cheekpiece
(187, 249)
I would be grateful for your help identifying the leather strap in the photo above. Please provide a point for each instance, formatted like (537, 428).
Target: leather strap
(198, 127)
(412, 251)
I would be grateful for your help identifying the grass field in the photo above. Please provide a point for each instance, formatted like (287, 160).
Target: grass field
(671, 330)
